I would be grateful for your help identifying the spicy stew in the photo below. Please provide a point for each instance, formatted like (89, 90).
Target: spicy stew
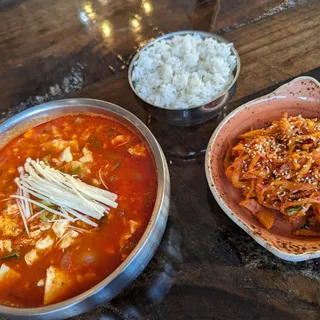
(52, 264)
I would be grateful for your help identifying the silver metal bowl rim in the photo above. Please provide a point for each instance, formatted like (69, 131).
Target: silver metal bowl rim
(162, 192)
(204, 34)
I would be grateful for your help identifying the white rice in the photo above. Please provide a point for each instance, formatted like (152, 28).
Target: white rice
(184, 71)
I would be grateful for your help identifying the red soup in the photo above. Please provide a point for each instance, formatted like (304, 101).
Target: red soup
(76, 195)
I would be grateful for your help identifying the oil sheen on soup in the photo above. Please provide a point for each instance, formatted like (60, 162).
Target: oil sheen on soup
(76, 195)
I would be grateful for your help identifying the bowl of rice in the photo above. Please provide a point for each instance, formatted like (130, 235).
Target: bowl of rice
(185, 78)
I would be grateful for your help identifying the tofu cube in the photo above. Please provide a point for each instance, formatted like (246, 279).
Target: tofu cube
(31, 257)
(5, 246)
(138, 150)
(57, 285)
(68, 239)
(60, 227)
(120, 140)
(87, 156)
(40, 283)
(45, 244)
(8, 277)
(66, 155)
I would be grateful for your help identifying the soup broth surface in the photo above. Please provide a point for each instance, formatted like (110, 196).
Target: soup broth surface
(49, 266)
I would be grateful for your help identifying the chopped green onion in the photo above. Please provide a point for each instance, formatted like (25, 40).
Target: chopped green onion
(46, 203)
(76, 171)
(46, 216)
(14, 255)
(293, 210)
(111, 132)
(112, 156)
(115, 166)
(98, 144)
(46, 160)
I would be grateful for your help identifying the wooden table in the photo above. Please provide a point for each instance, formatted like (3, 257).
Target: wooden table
(206, 267)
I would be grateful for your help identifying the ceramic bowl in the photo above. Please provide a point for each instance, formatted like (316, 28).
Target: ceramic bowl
(300, 96)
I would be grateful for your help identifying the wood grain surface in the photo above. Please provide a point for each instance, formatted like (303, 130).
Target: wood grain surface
(205, 267)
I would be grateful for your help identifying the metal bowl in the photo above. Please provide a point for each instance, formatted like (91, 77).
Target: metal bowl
(193, 115)
(146, 247)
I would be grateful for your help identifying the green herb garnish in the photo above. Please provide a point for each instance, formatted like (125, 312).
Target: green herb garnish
(14, 255)
(46, 203)
(97, 144)
(76, 171)
(112, 156)
(46, 160)
(293, 210)
(111, 132)
(46, 216)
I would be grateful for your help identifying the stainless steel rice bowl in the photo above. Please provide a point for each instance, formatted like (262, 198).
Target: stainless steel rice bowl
(192, 115)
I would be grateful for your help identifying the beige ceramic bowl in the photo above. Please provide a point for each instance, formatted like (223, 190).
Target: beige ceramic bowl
(300, 96)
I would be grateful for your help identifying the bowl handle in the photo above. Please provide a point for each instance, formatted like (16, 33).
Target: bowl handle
(306, 88)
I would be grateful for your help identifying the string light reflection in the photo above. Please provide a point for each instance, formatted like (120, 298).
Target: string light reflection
(147, 6)
(106, 28)
(87, 8)
(103, 2)
(135, 21)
